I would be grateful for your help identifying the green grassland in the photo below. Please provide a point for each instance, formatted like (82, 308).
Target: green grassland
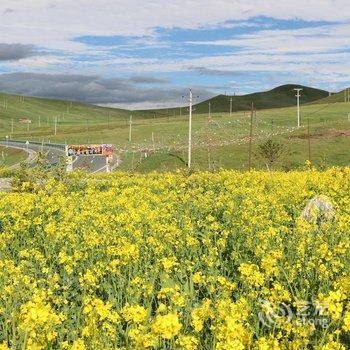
(159, 140)
(10, 156)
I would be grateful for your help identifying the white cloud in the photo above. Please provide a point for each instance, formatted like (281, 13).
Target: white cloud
(317, 54)
(39, 62)
(53, 23)
(307, 40)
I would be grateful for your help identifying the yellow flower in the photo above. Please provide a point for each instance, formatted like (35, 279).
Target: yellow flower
(201, 314)
(187, 342)
(346, 325)
(166, 326)
(197, 277)
(169, 263)
(148, 261)
(78, 345)
(251, 273)
(134, 313)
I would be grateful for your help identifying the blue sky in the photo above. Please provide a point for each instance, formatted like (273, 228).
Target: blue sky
(147, 54)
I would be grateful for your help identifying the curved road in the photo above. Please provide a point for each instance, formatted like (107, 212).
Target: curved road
(91, 163)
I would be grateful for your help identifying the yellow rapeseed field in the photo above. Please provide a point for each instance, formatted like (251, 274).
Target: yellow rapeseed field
(169, 261)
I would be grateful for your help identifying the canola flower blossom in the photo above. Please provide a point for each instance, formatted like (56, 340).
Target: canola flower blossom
(174, 261)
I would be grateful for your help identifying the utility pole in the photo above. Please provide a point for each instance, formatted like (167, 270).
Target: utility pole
(298, 95)
(209, 112)
(55, 126)
(130, 123)
(251, 138)
(12, 126)
(190, 131)
(153, 143)
(230, 107)
(39, 122)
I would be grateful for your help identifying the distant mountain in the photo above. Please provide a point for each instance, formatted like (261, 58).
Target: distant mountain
(281, 96)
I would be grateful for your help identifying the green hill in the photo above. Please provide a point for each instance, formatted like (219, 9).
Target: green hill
(19, 107)
(164, 137)
(281, 96)
(334, 98)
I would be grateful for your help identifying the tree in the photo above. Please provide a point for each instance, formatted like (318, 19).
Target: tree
(271, 151)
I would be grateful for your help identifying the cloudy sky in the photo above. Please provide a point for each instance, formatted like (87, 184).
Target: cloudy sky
(141, 54)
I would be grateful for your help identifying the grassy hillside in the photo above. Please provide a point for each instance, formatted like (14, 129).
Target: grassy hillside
(10, 156)
(282, 96)
(160, 143)
(334, 98)
(44, 112)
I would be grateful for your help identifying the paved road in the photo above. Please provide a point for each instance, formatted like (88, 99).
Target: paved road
(52, 154)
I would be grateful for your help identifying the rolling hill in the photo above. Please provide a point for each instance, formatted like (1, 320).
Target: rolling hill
(222, 142)
(334, 98)
(15, 106)
(281, 96)
(18, 107)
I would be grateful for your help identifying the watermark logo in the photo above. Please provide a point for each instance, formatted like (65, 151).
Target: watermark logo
(303, 313)
(270, 315)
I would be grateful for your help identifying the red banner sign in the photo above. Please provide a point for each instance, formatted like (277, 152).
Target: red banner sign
(88, 150)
